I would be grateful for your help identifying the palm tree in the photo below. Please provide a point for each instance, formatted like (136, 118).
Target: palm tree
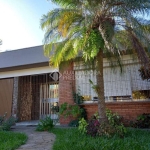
(96, 28)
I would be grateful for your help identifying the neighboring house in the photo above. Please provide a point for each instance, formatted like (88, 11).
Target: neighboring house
(31, 90)
(25, 84)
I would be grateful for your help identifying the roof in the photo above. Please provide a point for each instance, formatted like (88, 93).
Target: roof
(21, 57)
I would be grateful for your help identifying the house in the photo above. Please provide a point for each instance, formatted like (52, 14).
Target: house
(26, 83)
(30, 89)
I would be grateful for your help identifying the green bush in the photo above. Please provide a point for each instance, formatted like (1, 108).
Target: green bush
(70, 110)
(45, 125)
(113, 118)
(142, 121)
(75, 111)
(83, 126)
(108, 130)
(112, 127)
(5, 124)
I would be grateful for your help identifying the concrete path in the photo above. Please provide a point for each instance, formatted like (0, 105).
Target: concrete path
(36, 140)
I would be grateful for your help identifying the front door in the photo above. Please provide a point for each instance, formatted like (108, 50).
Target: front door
(49, 101)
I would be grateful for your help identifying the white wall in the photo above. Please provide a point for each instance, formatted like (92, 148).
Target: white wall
(30, 71)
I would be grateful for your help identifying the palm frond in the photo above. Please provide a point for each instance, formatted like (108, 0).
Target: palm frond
(75, 22)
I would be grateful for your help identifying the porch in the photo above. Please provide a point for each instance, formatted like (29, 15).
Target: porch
(37, 98)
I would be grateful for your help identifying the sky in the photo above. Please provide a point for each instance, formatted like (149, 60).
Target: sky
(20, 23)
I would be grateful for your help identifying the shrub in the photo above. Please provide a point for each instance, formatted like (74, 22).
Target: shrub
(92, 127)
(112, 127)
(116, 125)
(75, 111)
(105, 129)
(113, 118)
(108, 130)
(45, 124)
(142, 121)
(83, 125)
(70, 110)
(121, 130)
(8, 123)
(5, 124)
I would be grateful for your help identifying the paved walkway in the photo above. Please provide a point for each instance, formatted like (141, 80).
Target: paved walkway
(36, 140)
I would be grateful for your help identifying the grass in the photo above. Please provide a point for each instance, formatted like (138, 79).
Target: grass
(11, 140)
(71, 139)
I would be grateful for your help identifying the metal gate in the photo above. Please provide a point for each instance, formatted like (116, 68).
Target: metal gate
(49, 101)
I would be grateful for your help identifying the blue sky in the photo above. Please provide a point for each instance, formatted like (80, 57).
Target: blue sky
(20, 22)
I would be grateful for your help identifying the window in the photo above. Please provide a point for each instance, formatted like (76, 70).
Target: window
(117, 86)
(82, 83)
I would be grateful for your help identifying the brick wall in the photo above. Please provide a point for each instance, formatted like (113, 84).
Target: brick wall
(66, 86)
(129, 110)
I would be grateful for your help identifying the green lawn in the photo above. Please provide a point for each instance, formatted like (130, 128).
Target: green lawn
(71, 139)
(11, 140)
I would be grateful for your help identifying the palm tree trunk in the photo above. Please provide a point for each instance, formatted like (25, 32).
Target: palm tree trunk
(100, 87)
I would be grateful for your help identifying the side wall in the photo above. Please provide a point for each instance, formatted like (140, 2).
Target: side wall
(129, 110)
(6, 95)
